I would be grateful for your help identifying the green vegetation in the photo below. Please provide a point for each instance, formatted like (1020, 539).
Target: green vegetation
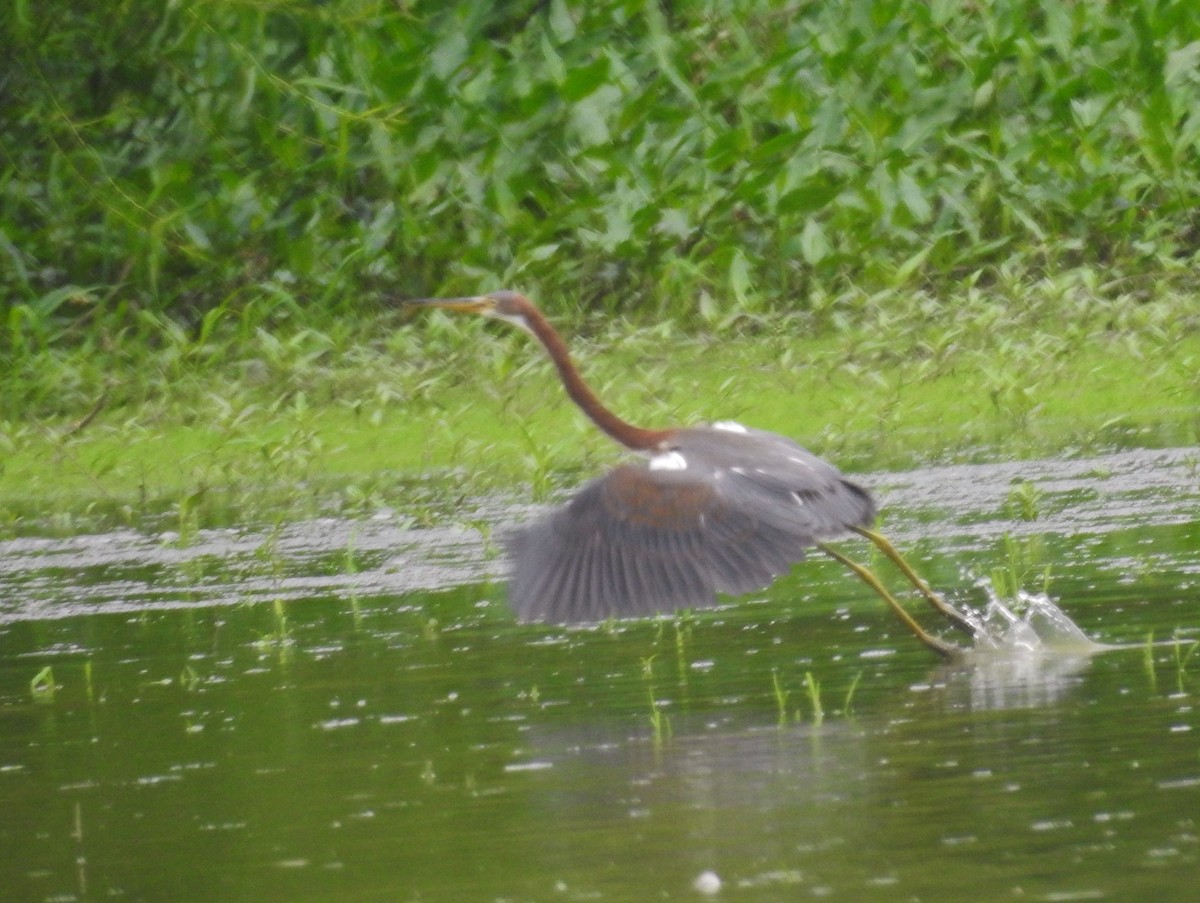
(660, 721)
(42, 686)
(813, 689)
(848, 703)
(1182, 651)
(883, 227)
(1024, 567)
(781, 699)
(1024, 501)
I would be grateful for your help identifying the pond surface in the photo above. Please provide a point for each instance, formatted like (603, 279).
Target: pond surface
(345, 710)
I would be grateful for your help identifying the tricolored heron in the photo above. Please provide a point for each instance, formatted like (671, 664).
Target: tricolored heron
(708, 509)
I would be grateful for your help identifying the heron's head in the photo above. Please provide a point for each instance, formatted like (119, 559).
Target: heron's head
(512, 307)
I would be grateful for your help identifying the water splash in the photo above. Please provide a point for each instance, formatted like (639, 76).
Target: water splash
(1027, 654)
(1024, 624)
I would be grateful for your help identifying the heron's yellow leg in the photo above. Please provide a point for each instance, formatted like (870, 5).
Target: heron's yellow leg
(893, 554)
(941, 647)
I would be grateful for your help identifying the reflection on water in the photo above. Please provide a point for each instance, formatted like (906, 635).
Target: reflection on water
(1005, 679)
(346, 710)
(1026, 652)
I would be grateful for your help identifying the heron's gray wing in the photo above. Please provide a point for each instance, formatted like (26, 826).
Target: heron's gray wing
(781, 480)
(640, 540)
(629, 543)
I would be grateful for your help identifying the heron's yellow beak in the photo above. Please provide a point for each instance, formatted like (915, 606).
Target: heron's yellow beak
(478, 304)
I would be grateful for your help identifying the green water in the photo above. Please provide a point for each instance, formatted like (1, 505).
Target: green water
(346, 711)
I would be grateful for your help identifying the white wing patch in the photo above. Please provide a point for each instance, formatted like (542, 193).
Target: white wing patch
(729, 426)
(670, 460)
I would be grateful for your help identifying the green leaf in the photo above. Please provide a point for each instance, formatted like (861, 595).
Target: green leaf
(583, 80)
(905, 271)
(1181, 63)
(555, 70)
(739, 279)
(561, 22)
(590, 123)
(913, 198)
(812, 195)
(448, 54)
(984, 94)
(814, 246)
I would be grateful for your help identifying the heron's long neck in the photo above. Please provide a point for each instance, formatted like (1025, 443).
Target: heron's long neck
(626, 433)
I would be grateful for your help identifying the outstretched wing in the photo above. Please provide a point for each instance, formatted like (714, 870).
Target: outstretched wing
(720, 512)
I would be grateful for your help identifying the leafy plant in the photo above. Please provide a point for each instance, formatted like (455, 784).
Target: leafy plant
(201, 170)
(1024, 501)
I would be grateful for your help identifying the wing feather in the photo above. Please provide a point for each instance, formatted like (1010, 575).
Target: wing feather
(638, 541)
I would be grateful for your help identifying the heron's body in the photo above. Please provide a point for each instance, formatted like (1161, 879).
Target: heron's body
(694, 519)
(706, 510)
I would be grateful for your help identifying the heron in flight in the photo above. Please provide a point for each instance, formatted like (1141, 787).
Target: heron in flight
(711, 509)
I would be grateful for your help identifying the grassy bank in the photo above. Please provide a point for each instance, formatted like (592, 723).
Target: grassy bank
(416, 415)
